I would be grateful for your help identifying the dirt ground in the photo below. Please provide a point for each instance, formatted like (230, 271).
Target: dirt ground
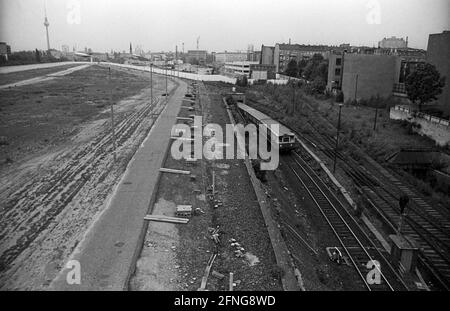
(174, 257)
(7, 78)
(57, 168)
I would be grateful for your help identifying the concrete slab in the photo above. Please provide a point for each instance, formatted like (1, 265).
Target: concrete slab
(108, 252)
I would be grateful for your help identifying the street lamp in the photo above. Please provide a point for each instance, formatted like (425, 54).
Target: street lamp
(337, 139)
(151, 83)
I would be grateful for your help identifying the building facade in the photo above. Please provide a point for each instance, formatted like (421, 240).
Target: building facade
(254, 56)
(227, 57)
(406, 61)
(438, 52)
(284, 53)
(335, 62)
(194, 56)
(239, 68)
(267, 55)
(393, 43)
(262, 71)
(365, 75)
(5, 51)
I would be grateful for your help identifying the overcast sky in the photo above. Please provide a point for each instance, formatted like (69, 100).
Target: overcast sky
(221, 24)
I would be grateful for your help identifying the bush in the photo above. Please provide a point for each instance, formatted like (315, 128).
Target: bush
(242, 81)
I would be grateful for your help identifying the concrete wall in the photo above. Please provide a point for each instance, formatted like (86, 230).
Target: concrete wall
(366, 75)
(332, 70)
(438, 52)
(178, 74)
(435, 128)
(259, 75)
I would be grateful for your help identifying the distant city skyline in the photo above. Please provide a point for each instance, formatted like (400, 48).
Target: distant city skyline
(105, 25)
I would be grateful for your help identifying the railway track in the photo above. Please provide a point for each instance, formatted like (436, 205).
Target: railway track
(427, 225)
(357, 245)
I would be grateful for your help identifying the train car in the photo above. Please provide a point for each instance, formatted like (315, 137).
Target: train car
(285, 137)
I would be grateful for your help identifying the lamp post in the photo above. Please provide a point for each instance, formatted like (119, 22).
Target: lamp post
(337, 139)
(166, 86)
(293, 98)
(375, 120)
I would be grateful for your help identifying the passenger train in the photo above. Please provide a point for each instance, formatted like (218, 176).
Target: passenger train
(285, 137)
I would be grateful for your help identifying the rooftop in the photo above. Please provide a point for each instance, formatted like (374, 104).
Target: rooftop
(284, 46)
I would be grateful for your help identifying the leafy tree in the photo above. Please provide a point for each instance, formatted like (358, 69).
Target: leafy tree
(315, 67)
(317, 58)
(292, 68)
(308, 71)
(424, 84)
(301, 66)
(321, 71)
(317, 86)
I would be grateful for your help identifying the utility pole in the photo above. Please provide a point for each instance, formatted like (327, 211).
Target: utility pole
(167, 95)
(337, 139)
(112, 117)
(356, 86)
(293, 98)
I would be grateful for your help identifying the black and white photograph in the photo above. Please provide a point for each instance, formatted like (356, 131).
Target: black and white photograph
(220, 152)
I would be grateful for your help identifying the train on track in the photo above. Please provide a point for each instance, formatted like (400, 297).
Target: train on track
(285, 137)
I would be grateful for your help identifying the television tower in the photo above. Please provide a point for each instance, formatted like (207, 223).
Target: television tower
(46, 24)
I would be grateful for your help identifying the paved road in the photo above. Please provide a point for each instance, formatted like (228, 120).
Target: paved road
(109, 250)
(10, 69)
(47, 77)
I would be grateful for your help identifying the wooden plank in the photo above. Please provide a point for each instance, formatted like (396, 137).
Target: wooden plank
(231, 285)
(164, 218)
(182, 138)
(184, 119)
(173, 171)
